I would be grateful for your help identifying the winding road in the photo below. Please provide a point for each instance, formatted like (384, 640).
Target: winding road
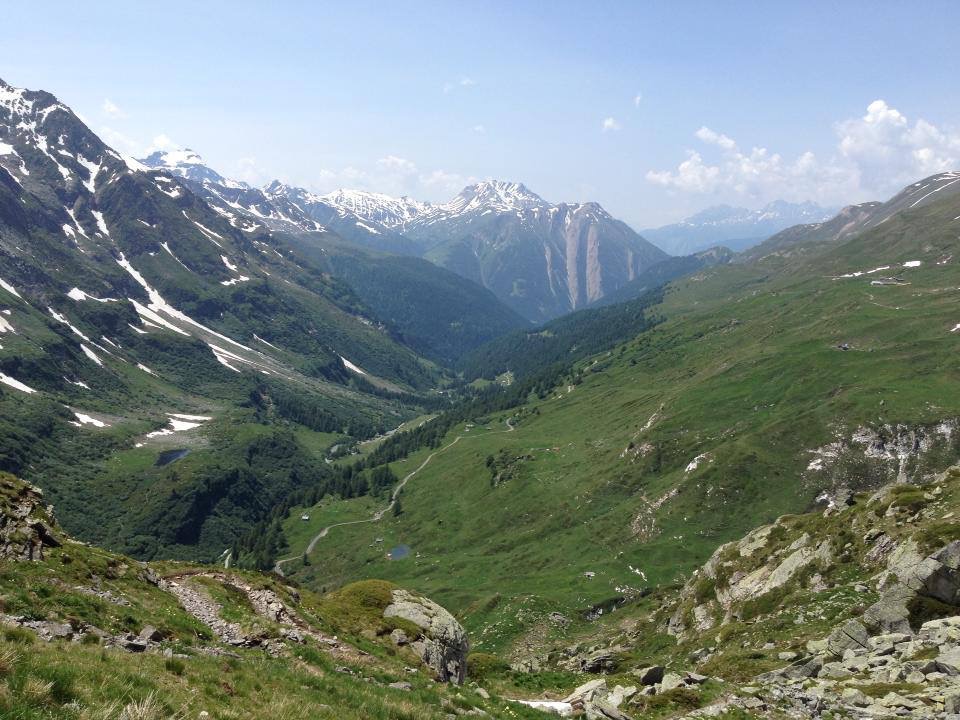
(278, 567)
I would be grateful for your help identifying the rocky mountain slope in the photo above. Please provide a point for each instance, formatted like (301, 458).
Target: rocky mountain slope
(540, 259)
(733, 227)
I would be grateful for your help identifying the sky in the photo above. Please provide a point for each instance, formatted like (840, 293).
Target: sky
(654, 110)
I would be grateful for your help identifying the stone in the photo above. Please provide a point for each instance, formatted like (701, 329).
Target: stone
(443, 646)
(150, 634)
(399, 637)
(805, 668)
(27, 526)
(940, 631)
(401, 686)
(936, 576)
(587, 692)
(649, 675)
(671, 681)
(787, 656)
(602, 711)
(619, 694)
(948, 661)
(835, 671)
(951, 703)
(483, 693)
(599, 661)
(855, 697)
(851, 635)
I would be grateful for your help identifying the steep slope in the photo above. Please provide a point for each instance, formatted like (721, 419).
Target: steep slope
(542, 260)
(137, 320)
(736, 228)
(855, 219)
(764, 385)
(664, 272)
(438, 314)
(241, 204)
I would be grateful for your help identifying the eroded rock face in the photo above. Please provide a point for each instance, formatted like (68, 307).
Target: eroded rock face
(26, 523)
(936, 577)
(443, 644)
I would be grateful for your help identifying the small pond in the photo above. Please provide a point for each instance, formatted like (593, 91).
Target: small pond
(399, 552)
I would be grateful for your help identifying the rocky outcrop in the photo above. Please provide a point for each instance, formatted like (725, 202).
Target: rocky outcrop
(26, 523)
(441, 643)
(917, 580)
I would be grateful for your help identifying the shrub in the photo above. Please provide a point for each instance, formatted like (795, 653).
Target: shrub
(482, 665)
(175, 666)
(19, 635)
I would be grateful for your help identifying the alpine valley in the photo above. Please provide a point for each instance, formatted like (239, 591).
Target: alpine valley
(267, 453)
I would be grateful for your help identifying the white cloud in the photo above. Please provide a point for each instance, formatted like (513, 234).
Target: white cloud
(463, 82)
(875, 156)
(637, 99)
(692, 175)
(112, 110)
(162, 142)
(120, 142)
(479, 129)
(609, 124)
(249, 171)
(714, 138)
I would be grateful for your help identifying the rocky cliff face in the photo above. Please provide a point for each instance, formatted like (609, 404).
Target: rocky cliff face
(26, 522)
(441, 642)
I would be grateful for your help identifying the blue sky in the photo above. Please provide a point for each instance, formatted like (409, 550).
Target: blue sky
(653, 109)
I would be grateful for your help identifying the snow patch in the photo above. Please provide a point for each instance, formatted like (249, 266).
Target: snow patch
(91, 354)
(176, 423)
(16, 384)
(9, 288)
(89, 420)
(79, 295)
(350, 366)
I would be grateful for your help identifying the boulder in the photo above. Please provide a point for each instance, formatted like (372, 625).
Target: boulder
(852, 635)
(671, 681)
(588, 692)
(649, 675)
(443, 644)
(936, 577)
(150, 634)
(599, 661)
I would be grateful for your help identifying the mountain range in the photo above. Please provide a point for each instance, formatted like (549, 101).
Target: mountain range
(541, 259)
(734, 227)
(273, 423)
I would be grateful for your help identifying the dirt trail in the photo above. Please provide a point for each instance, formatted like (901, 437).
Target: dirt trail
(377, 516)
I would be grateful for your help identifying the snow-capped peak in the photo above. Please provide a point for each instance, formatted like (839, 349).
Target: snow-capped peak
(185, 163)
(389, 211)
(493, 195)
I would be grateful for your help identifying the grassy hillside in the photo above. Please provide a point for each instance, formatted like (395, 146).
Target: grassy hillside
(683, 437)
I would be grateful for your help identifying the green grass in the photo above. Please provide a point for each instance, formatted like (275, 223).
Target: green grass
(746, 369)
